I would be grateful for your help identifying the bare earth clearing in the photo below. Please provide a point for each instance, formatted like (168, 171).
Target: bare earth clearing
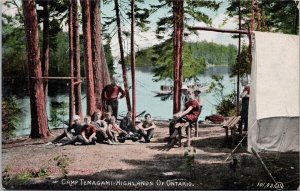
(30, 164)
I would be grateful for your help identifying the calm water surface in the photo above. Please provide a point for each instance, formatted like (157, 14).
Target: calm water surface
(145, 98)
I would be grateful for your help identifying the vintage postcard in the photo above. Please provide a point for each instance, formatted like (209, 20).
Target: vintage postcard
(150, 94)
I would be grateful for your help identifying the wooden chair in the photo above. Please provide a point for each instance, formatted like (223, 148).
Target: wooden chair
(195, 124)
(188, 130)
(231, 124)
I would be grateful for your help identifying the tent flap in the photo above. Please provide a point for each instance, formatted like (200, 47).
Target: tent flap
(274, 100)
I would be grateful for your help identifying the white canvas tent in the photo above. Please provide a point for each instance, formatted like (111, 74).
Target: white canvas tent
(273, 122)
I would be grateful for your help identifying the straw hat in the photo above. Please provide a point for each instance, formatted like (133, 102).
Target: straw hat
(76, 117)
(184, 87)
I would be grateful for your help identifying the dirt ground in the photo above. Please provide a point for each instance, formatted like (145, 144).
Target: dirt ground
(30, 164)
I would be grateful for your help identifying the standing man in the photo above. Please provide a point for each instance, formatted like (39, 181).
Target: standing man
(110, 97)
(245, 95)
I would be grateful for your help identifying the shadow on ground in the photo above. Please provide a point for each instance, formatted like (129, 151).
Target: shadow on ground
(176, 171)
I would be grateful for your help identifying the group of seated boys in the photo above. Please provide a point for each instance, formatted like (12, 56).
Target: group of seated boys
(99, 129)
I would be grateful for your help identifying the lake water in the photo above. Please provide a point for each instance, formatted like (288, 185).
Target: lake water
(145, 98)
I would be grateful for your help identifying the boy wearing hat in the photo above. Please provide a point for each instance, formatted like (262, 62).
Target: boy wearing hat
(199, 98)
(184, 118)
(76, 126)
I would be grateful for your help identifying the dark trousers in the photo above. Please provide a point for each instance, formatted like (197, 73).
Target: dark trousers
(60, 137)
(79, 139)
(171, 127)
(244, 114)
(103, 135)
(112, 106)
(174, 122)
(148, 135)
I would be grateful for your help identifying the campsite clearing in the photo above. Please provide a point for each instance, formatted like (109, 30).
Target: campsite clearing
(33, 165)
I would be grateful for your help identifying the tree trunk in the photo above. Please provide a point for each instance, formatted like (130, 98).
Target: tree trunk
(45, 61)
(123, 63)
(133, 64)
(71, 60)
(86, 28)
(105, 72)
(96, 51)
(106, 75)
(76, 57)
(177, 52)
(37, 98)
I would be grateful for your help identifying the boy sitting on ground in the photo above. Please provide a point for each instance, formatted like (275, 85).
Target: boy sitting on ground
(116, 130)
(127, 125)
(87, 134)
(102, 133)
(71, 132)
(146, 128)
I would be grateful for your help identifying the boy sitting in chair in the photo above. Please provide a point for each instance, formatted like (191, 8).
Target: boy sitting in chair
(184, 118)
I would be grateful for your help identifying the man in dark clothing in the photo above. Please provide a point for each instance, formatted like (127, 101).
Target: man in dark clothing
(71, 132)
(87, 136)
(245, 106)
(127, 125)
(110, 97)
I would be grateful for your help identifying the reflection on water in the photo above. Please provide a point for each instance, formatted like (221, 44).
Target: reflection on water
(158, 107)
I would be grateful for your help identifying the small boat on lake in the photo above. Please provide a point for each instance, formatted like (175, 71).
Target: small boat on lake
(164, 90)
(168, 90)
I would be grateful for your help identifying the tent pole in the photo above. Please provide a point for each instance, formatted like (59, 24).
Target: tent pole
(252, 15)
(133, 64)
(263, 164)
(239, 65)
(219, 30)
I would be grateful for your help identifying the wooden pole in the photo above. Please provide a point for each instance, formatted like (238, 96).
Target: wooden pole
(45, 57)
(133, 63)
(230, 154)
(123, 63)
(258, 15)
(264, 166)
(219, 30)
(58, 78)
(250, 45)
(71, 60)
(252, 15)
(76, 41)
(239, 65)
